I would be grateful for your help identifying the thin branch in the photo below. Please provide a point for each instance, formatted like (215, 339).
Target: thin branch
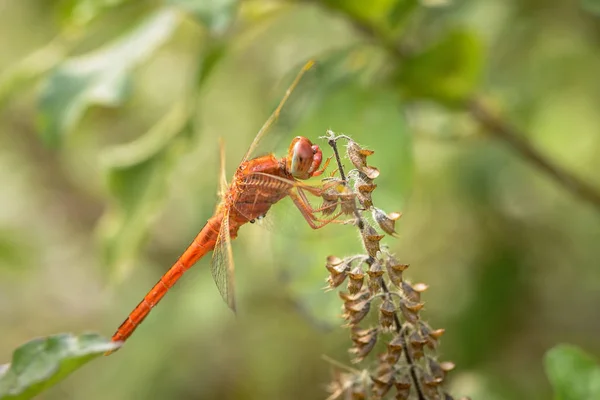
(503, 130)
(495, 125)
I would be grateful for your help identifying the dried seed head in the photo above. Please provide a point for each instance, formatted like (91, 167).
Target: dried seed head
(335, 280)
(382, 383)
(410, 311)
(356, 280)
(396, 345)
(391, 358)
(347, 202)
(356, 312)
(395, 272)
(402, 382)
(417, 342)
(413, 292)
(375, 284)
(387, 310)
(371, 240)
(363, 192)
(334, 261)
(357, 155)
(356, 332)
(387, 222)
(429, 386)
(435, 369)
(337, 272)
(362, 349)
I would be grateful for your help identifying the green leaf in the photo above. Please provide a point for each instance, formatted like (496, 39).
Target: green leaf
(100, 77)
(216, 15)
(137, 175)
(381, 14)
(43, 362)
(573, 374)
(591, 6)
(447, 72)
(81, 12)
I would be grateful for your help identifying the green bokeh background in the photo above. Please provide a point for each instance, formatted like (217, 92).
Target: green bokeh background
(511, 258)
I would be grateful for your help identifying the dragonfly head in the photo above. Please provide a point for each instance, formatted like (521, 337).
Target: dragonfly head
(304, 158)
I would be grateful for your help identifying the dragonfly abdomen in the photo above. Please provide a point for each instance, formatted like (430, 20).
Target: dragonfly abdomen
(202, 244)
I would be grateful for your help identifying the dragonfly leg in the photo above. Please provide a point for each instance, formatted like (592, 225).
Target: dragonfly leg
(310, 207)
(317, 190)
(306, 211)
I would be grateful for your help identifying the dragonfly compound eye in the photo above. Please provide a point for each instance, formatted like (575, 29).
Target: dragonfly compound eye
(302, 158)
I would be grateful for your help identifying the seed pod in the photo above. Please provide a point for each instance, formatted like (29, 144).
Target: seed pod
(363, 192)
(411, 293)
(357, 155)
(334, 281)
(395, 271)
(429, 386)
(396, 345)
(417, 343)
(375, 273)
(387, 311)
(356, 280)
(362, 349)
(410, 311)
(347, 203)
(382, 383)
(371, 240)
(387, 222)
(436, 369)
(402, 382)
(356, 312)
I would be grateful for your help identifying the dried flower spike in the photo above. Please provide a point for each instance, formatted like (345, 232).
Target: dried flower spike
(409, 363)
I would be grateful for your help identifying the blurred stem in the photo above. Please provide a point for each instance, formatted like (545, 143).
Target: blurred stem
(494, 124)
(503, 130)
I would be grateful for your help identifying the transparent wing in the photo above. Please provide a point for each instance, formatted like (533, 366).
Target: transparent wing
(222, 267)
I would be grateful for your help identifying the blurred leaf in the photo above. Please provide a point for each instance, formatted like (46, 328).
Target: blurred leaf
(137, 179)
(31, 68)
(41, 363)
(574, 375)
(216, 15)
(447, 72)
(81, 12)
(15, 250)
(211, 57)
(591, 6)
(381, 14)
(100, 77)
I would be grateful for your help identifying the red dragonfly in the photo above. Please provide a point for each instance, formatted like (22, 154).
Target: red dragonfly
(258, 183)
